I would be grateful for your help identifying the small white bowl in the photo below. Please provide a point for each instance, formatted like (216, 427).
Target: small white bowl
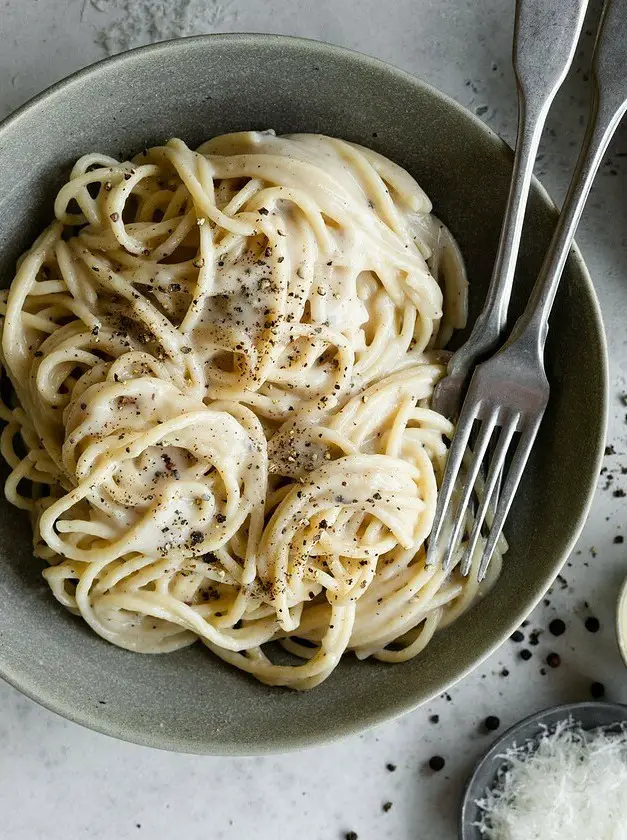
(621, 621)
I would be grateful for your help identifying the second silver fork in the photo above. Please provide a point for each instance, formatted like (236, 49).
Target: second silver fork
(510, 391)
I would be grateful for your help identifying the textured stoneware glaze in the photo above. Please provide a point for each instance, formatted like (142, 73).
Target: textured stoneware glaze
(194, 89)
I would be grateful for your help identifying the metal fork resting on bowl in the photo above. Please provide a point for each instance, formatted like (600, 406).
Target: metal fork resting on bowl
(508, 393)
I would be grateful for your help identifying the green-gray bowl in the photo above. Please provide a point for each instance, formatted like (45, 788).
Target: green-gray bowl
(196, 88)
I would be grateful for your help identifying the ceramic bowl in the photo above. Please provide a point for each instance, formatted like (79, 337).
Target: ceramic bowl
(621, 621)
(589, 715)
(196, 88)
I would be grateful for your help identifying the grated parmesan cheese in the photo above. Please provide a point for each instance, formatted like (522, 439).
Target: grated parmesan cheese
(140, 22)
(571, 785)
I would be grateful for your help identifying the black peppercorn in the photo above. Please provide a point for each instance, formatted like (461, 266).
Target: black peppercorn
(597, 690)
(434, 719)
(553, 660)
(517, 636)
(491, 723)
(557, 627)
(592, 624)
(525, 654)
(390, 767)
(436, 763)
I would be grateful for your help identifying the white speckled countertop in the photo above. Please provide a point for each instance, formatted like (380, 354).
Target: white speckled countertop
(59, 781)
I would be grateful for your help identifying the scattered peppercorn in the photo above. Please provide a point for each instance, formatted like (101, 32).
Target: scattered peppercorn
(390, 767)
(553, 660)
(619, 539)
(436, 763)
(592, 624)
(597, 690)
(351, 835)
(505, 672)
(492, 723)
(557, 627)
(525, 654)
(386, 807)
(434, 719)
(517, 636)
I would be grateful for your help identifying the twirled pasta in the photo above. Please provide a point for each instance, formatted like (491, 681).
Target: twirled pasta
(221, 364)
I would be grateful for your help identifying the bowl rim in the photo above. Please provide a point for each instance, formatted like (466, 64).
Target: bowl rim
(620, 622)
(586, 712)
(368, 719)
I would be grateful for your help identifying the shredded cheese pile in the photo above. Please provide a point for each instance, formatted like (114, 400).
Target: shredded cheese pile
(570, 785)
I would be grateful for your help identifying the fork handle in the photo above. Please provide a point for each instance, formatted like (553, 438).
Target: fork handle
(545, 37)
(608, 104)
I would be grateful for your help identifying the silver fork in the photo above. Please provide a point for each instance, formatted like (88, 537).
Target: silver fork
(545, 38)
(510, 391)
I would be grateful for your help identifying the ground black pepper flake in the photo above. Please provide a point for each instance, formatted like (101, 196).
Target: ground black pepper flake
(592, 624)
(386, 807)
(619, 539)
(553, 660)
(390, 767)
(351, 835)
(436, 763)
(619, 494)
(557, 627)
(434, 719)
(492, 723)
(525, 654)
(505, 672)
(597, 690)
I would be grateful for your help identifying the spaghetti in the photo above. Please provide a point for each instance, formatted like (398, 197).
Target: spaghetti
(221, 363)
